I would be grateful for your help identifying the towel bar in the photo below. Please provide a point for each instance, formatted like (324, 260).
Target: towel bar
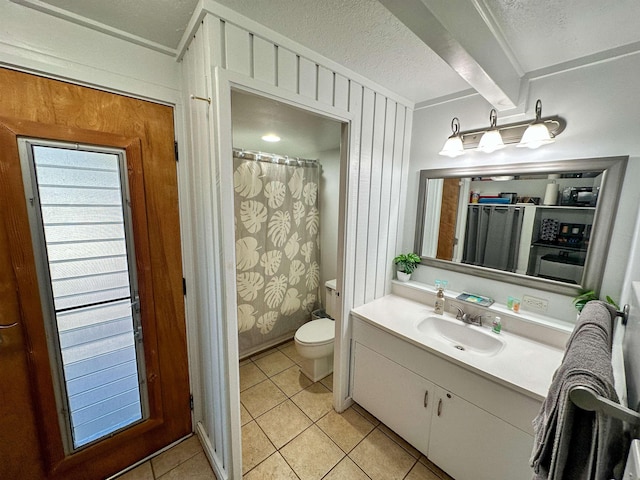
(587, 400)
(624, 314)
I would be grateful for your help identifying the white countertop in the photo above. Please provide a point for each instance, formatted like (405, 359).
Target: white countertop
(523, 364)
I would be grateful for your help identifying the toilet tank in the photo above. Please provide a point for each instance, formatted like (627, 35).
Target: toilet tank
(331, 299)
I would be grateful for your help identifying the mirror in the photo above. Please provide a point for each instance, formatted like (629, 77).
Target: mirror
(543, 225)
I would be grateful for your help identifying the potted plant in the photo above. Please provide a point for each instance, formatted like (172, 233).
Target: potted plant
(586, 296)
(406, 264)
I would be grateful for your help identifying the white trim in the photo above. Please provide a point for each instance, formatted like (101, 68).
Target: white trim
(228, 15)
(222, 177)
(42, 64)
(94, 25)
(225, 80)
(216, 462)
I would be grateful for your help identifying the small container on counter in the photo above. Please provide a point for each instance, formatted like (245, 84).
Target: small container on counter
(496, 325)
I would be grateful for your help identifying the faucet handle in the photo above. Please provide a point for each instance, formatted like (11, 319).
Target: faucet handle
(460, 313)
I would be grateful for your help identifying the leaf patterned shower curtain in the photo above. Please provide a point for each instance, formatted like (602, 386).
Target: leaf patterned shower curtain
(277, 248)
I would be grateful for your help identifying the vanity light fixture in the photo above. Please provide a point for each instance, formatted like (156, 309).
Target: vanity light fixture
(536, 134)
(491, 139)
(527, 133)
(453, 146)
(270, 137)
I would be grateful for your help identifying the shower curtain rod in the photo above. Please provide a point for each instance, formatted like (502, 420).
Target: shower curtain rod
(274, 158)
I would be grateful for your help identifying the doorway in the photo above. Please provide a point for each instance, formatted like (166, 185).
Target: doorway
(287, 191)
(117, 246)
(287, 248)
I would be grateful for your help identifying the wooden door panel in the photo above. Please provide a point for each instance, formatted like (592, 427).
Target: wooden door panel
(37, 107)
(448, 219)
(25, 461)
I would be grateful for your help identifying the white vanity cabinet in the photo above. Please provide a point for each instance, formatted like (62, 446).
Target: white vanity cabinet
(469, 443)
(468, 425)
(390, 391)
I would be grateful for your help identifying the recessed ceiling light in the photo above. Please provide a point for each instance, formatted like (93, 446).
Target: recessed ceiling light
(271, 138)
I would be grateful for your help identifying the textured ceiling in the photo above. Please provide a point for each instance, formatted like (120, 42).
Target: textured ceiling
(550, 32)
(361, 35)
(367, 38)
(161, 21)
(302, 134)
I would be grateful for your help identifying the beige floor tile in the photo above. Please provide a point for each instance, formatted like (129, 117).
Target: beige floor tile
(346, 470)
(421, 472)
(291, 380)
(196, 468)
(261, 398)
(366, 414)
(141, 472)
(256, 447)
(285, 345)
(283, 423)
(273, 468)
(291, 352)
(316, 401)
(381, 458)
(250, 375)
(263, 354)
(346, 429)
(328, 382)
(434, 468)
(400, 441)
(274, 363)
(244, 362)
(176, 455)
(245, 416)
(311, 454)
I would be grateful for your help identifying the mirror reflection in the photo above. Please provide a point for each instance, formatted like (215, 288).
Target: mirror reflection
(537, 223)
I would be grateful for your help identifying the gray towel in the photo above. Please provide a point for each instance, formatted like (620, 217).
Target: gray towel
(571, 443)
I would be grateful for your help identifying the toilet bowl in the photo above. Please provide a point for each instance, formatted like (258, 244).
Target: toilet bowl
(314, 340)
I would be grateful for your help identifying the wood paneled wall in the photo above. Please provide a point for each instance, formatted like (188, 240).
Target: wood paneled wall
(377, 170)
(384, 139)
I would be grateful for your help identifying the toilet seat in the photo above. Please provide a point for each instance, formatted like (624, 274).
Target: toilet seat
(316, 332)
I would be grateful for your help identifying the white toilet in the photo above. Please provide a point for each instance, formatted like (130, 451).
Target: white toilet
(314, 340)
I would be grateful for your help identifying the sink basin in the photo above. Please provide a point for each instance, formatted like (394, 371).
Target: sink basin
(462, 336)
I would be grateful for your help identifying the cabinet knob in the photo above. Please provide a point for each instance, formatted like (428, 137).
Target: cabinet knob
(426, 398)
(439, 407)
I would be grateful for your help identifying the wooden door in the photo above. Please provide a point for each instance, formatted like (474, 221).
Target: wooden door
(31, 444)
(448, 218)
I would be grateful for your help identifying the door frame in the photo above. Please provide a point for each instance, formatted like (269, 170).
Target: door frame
(228, 374)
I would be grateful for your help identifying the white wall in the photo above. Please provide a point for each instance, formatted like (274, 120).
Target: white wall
(329, 197)
(226, 49)
(34, 41)
(601, 104)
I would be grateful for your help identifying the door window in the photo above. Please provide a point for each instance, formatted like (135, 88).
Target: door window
(81, 225)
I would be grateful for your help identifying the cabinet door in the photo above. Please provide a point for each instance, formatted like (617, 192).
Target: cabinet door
(470, 444)
(398, 397)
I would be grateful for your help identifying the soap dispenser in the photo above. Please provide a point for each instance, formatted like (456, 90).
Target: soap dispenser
(496, 325)
(439, 304)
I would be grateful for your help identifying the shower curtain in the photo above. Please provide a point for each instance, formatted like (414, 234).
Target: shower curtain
(277, 246)
(492, 237)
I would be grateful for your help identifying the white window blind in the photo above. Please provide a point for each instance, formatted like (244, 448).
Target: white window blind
(79, 197)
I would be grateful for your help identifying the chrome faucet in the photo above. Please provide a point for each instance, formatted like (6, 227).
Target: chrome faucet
(468, 318)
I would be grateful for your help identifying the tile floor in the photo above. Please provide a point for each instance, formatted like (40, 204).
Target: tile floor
(290, 431)
(184, 461)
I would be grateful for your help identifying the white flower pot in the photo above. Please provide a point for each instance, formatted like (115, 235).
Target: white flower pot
(404, 277)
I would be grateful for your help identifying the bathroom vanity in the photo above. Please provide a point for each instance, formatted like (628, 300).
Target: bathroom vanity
(462, 395)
